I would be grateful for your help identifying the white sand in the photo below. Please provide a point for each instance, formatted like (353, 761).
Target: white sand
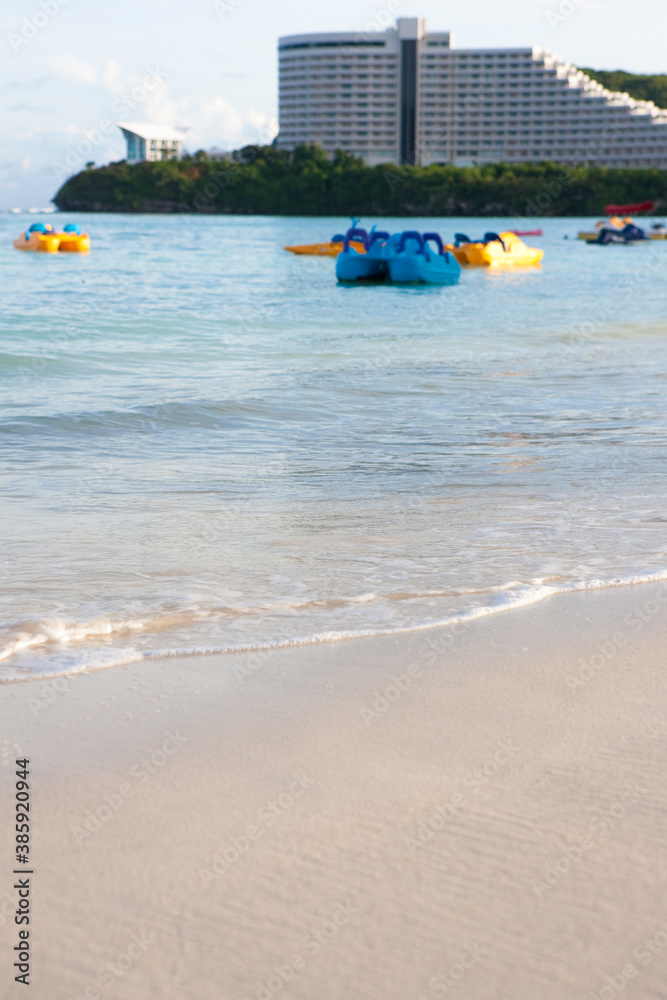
(284, 812)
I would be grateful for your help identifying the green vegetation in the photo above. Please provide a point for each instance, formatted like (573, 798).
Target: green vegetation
(642, 88)
(266, 181)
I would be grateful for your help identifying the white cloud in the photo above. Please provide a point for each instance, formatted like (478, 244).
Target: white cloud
(266, 128)
(159, 107)
(69, 66)
(111, 76)
(220, 124)
(218, 115)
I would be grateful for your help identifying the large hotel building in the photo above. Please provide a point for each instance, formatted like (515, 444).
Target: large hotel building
(407, 96)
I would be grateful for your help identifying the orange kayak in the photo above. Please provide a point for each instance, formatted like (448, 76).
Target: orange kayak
(329, 249)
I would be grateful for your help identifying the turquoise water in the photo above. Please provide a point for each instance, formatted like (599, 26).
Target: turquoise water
(205, 443)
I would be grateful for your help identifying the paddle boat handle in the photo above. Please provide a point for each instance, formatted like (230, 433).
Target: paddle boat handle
(355, 234)
(460, 239)
(376, 235)
(492, 237)
(436, 239)
(410, 234)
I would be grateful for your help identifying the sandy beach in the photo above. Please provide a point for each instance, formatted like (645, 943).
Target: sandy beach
(475, 812)
(333, 559)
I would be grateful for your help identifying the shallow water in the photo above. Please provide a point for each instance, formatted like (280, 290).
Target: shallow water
(205, 443)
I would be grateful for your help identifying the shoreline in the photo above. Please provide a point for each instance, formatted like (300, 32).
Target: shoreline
(477, 807)
(523, 596)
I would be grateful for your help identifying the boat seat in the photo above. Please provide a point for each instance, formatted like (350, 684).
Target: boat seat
(359, 235)
(411, 234)
(435, 237)
(492, 237)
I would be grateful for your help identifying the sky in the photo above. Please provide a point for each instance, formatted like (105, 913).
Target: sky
(72, 68)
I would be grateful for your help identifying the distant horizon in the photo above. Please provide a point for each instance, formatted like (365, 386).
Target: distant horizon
(213, 69)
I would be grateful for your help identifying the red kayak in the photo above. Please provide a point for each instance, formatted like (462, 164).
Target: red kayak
(640, 206)
(527, 232)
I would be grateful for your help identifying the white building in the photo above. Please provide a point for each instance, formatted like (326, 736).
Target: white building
(151, 142)
(407, 96)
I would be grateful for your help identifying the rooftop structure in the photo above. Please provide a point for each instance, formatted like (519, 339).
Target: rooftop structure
(408, 96)
(218, 154)
(146, 141)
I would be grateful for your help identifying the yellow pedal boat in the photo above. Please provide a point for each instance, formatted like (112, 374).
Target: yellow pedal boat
(506, 249)
(459, 252)
(42, 238)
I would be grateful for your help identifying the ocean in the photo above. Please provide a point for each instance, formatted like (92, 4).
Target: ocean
(208, 445)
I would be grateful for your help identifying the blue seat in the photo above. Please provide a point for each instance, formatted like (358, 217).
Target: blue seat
(377, 235)
(435, 238)
(37, 227)
(356, 236)
(369, 266)
(411, 260)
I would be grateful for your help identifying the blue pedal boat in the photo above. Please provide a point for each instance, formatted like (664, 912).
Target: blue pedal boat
(629, 234)
(370, 265)
(412, 259)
